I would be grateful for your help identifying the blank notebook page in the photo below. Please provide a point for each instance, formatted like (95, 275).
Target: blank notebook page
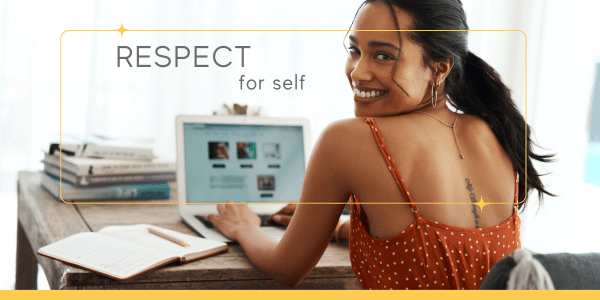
(139, 234)
(107, 255)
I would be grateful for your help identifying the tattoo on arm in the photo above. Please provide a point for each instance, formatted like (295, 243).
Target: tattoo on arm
(473, 200)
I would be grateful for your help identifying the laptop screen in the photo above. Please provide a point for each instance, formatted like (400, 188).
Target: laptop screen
(249, 163)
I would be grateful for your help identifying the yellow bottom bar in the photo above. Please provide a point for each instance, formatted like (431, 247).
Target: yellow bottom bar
(303, 295)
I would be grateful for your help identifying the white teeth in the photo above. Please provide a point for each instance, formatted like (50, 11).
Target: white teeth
(369, 94)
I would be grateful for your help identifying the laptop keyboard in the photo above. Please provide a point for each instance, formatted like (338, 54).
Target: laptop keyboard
(263, 221)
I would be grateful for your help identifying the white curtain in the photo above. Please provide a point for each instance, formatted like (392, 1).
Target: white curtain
(98, 97)
(562, 54)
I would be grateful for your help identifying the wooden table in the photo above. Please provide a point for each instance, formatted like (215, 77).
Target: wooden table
(42, 220)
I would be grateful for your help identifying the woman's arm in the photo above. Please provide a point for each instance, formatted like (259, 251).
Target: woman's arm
(310, 230)
(284, 216)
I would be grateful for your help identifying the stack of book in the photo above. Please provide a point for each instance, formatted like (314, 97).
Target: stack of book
(99, 168)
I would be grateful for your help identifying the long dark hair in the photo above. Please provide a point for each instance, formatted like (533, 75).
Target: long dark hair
(473, 86)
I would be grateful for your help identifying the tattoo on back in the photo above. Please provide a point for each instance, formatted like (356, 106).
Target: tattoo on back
(473, 200)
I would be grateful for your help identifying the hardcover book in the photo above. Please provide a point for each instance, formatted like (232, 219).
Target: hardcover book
(146, 191)
(102, 147)
(99, 180)
(99, 166)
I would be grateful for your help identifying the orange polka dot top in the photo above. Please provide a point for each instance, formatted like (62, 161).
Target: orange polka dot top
(427, 254)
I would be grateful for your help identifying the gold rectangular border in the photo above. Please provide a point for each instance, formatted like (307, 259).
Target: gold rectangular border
(122, 30)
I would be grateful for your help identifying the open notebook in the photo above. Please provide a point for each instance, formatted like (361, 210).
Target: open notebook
(123, 252)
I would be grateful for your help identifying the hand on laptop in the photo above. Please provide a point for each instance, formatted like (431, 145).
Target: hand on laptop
(284, 216)
(233, 216)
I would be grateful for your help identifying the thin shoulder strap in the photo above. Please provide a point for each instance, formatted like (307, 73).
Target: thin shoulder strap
(392, 165)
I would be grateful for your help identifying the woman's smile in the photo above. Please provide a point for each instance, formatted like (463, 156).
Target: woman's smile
(368, 95)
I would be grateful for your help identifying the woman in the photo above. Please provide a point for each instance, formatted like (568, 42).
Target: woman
(405, 149)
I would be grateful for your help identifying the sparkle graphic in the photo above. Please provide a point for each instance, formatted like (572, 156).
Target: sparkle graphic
(481, 203)
(121, 30)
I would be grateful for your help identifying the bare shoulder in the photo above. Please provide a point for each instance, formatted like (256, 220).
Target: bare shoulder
(356, 127)
(475, 124)
(343, 141)
(477, 127)
(354, 134)
(345, 129)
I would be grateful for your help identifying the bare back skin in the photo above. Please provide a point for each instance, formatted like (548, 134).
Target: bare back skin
(430, 164)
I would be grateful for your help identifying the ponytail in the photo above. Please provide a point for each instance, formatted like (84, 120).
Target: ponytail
(480, 92)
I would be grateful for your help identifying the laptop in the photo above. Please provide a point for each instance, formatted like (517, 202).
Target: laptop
(245, 159)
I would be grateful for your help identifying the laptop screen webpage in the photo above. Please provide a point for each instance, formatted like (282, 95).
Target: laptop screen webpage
(250, 163)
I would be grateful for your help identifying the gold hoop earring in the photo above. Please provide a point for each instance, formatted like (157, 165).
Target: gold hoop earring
(434, 92)
(436, 89)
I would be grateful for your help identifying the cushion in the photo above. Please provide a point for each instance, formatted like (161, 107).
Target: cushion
(568, 271)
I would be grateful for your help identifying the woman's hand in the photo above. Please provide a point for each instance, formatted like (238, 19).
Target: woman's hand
(233, 216)
(284, 216)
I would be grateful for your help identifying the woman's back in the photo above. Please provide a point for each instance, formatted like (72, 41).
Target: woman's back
(427, 253)
(429, 162)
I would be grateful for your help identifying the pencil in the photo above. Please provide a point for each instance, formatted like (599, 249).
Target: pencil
(169, 238)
